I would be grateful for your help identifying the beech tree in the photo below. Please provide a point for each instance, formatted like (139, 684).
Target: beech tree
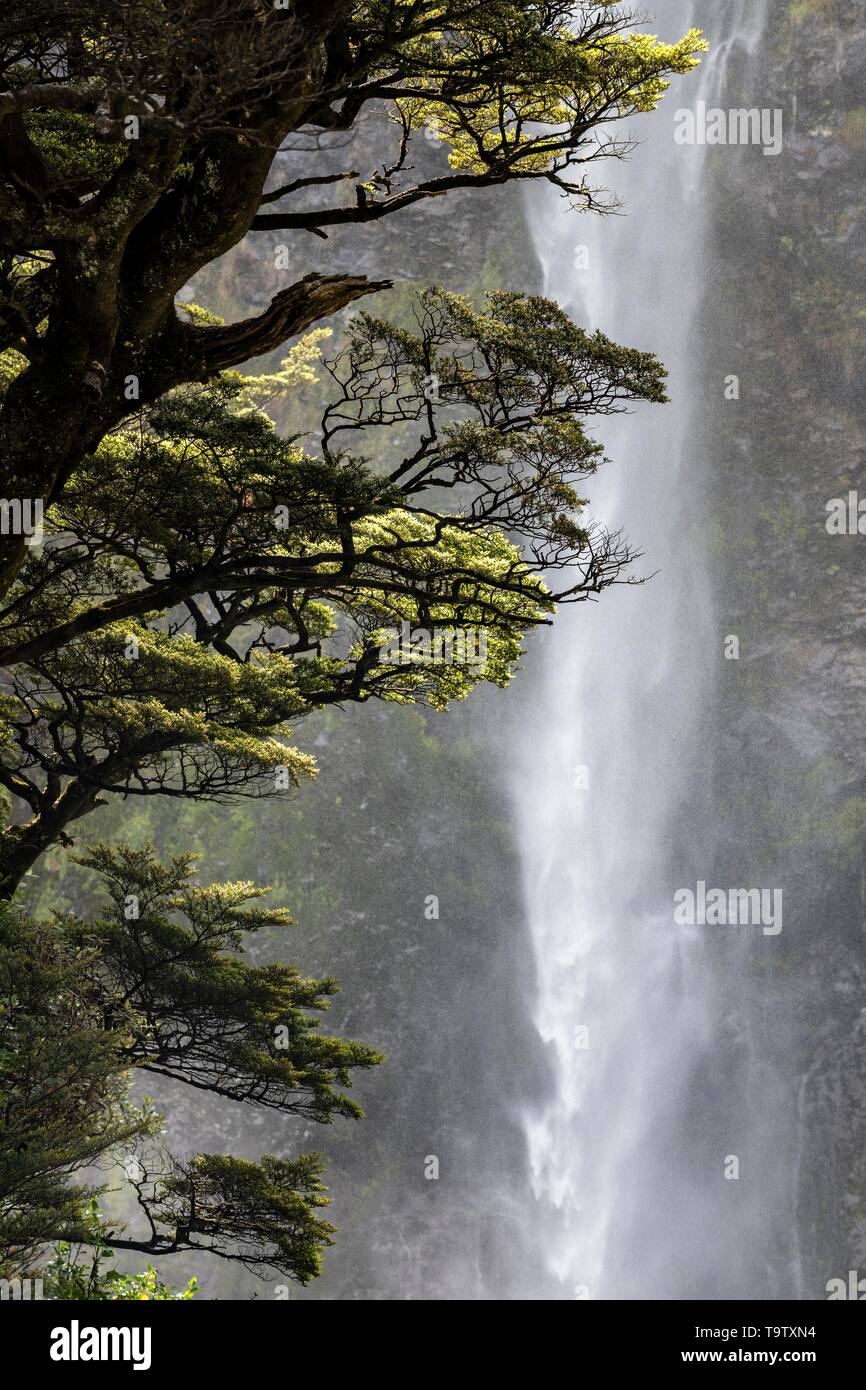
(136, 143)
(62, 1085)
(155, 985)
(206, 583)
(201, 582)
(249, 579)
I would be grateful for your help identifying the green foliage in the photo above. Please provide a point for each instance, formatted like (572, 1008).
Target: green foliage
(63, 1083)
(68, 1277)
(267, 1210)
(801, 11)
(266, 390)
(156, 984)
(515, 89)
(67, 142)
(207, 583)
(509, 88)
(201, 1014)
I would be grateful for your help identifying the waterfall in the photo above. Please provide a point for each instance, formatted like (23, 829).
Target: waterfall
(658, 1073)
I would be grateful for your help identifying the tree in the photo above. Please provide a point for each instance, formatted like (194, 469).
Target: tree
(62, 1089)
(136, 144)
(204, 582)
(200, 1015)
(155, 984)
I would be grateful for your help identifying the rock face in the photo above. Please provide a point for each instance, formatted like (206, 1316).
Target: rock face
(467, 239)
(786, 314)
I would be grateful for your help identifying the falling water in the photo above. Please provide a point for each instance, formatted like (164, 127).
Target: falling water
(659, 1073)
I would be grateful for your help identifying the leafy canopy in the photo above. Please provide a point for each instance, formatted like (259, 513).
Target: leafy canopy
(206, 583)
(138, 143)
(156, 984)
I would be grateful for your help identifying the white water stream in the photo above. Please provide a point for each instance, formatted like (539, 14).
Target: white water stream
(658, 1072)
